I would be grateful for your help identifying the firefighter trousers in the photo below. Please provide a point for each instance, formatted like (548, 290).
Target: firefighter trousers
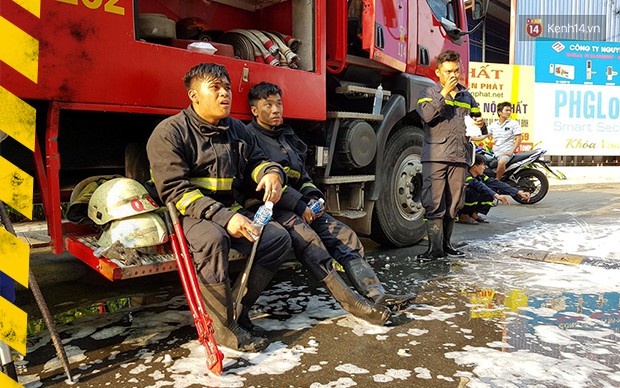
(316, 244)
(210, 244)
(476, 202)
(443, 189)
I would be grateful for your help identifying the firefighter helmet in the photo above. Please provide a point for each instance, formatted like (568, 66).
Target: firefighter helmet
(143, 230)
(119, 198)
(77, 211)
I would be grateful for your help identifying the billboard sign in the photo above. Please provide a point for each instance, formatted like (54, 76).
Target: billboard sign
(577, 99)
(492, 83)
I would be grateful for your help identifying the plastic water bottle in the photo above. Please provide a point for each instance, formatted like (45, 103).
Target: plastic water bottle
(317, 205)
(262, 217)
(376, 105)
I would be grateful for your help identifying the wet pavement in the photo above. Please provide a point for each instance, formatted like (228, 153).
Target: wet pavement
(490, 319)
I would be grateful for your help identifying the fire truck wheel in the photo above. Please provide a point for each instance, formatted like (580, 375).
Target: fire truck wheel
(399, 213)
(136, 162)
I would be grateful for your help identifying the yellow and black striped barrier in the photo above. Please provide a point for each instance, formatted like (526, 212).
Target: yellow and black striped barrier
(20, 51)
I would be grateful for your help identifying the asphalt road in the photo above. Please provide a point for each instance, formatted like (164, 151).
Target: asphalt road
(489, 319)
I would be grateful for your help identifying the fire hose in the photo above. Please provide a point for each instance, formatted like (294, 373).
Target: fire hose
(263, 46)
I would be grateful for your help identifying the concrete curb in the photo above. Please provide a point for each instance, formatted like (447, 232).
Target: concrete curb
(563, 258)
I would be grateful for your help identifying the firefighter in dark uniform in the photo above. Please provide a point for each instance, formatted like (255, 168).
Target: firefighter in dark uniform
(446, 153)
(481, 190)
(198, 159)
(317, 238)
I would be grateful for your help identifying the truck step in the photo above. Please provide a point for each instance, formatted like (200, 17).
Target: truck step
(338, 180)
(83, 248)
(361, 91)
(354, 115)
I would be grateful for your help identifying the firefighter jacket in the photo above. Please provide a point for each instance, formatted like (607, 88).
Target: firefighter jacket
(444, 125)
(200, 167)
(490, 186)
(284, 147)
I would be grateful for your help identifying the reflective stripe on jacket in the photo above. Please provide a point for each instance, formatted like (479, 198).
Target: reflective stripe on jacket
(284, 147)
(200, 166)
(444, 125)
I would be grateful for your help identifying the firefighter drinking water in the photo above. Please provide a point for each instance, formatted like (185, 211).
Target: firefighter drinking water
(199, 158)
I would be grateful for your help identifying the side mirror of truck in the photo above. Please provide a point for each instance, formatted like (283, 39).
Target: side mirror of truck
(480, 9)
(451, 29)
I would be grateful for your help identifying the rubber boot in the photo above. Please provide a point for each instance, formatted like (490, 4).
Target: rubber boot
(353, 303)
(448, 227)
(434, 229)
(219, 304)
(366, 282)
(257, 281)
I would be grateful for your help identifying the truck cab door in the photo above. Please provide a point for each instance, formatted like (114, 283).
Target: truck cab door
(384, 31)
(438, 20)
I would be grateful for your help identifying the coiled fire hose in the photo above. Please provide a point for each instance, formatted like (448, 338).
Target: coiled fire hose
(263, 46)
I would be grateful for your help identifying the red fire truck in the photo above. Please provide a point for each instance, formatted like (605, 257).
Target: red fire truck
(110, 70)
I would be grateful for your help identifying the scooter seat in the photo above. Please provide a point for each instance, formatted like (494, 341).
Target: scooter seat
(522, 156)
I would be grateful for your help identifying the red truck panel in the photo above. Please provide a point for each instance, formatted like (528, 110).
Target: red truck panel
(91, 56)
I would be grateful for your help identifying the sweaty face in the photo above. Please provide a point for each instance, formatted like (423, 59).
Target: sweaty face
(448, 70)
(211, 98)
(268, 111)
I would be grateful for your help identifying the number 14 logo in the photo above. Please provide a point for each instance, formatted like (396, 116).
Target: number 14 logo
(533, 27)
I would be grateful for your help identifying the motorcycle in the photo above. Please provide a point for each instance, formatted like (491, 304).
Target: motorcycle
(523, 171)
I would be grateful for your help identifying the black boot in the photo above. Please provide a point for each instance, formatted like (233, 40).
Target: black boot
(434, 229)
(448, 226)
(219, 304)
(353, 302)
(366, 282)
(257, 281)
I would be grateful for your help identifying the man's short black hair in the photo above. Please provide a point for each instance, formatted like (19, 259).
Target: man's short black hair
(262, 90)
(502, 105)
(204, 72)
(448, 56)
(480, 159)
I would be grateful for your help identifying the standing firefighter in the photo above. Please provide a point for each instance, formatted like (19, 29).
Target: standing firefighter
(198, 158)
(317, 238)
(446, 152)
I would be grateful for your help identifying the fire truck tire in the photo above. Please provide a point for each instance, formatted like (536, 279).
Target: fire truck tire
(399, 214)
(136, 162)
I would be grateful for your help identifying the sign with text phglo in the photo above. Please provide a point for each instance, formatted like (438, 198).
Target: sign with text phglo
(578, 97)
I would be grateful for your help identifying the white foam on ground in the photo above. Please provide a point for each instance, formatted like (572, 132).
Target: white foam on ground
(343, 382)
(573, 356)
(502, 369)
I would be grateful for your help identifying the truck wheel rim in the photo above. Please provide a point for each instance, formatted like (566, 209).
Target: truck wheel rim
(408, 188)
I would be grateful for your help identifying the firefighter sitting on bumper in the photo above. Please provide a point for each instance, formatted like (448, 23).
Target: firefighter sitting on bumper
(198, 157)
(316, 238)
(481, 190)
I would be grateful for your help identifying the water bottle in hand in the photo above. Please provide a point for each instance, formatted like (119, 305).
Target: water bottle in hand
(316, 206)
(262, 217)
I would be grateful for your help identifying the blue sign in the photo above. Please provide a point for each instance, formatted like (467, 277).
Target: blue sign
(577, 62)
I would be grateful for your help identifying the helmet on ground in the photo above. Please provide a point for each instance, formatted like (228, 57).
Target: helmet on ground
(143, 230)
(119, 198)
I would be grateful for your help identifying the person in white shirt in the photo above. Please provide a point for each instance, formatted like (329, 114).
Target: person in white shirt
(506, 135)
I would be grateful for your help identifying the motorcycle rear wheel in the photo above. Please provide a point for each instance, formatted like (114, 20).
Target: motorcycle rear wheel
(533, 181)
